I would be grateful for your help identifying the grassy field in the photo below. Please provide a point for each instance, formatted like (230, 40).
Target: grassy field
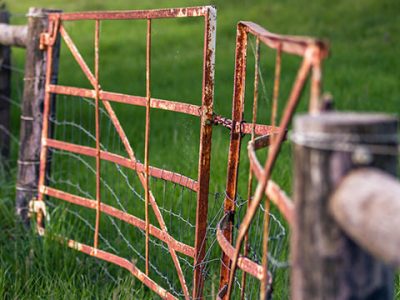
(362, 73)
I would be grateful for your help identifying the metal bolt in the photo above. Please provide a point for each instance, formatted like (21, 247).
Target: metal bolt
(362, 156)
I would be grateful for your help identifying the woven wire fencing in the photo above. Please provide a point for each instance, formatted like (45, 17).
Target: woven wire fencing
(8, 164)
(75, 174)
(122, 189)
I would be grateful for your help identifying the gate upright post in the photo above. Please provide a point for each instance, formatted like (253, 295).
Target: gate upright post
(205, 151)
(32, 110)
(234, 152)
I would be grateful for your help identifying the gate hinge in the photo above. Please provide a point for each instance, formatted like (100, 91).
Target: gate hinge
(44, 40)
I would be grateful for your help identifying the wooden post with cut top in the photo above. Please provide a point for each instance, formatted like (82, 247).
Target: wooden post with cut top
(327, 263)
(32, 110)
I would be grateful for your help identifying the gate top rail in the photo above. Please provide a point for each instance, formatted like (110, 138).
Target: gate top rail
(183, 12)
(290, 44)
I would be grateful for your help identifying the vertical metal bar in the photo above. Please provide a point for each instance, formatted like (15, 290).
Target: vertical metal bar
(205, 150)
(234, 147)
(316, 78)
(45, 128)
(277, 80)
(147, 135)
(97, 121)
(264, 282)
(265, 279)
(250, 181)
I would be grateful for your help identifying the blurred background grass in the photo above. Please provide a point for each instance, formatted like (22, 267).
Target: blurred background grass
(362, 73)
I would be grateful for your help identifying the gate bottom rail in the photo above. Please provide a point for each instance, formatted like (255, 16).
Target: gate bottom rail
(117, 260)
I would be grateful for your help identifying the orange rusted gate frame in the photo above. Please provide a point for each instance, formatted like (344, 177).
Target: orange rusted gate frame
(144, 171)
(313, 52)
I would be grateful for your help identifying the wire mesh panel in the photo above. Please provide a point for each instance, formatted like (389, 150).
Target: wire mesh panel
(14, 102)
(146, 219)
(11, 98)
(261, 242)
(12, 73)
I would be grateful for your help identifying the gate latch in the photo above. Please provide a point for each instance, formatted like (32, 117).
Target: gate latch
(49, 38)
(44, 40)
(36, 206)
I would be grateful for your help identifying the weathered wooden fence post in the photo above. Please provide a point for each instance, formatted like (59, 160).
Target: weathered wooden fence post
(5, 92)
(32, 109)
(326, 263)
(370, 215)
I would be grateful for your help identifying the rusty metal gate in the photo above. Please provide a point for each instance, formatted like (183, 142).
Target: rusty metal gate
(144, 170)
(312, 52)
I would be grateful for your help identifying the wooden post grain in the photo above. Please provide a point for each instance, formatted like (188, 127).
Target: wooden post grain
(5, 93)
(326, 262)
(32, 110)
(370, 215)
(13, 35)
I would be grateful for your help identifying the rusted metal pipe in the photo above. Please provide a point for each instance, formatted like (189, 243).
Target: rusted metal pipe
(207, 100)
(253, 135)
(146, 142)
(234, 147)
(97, 122)
(52, 31)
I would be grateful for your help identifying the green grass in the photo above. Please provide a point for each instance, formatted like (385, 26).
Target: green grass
(362, 73)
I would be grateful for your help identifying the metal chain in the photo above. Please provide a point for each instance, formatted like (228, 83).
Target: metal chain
(220, 120)
(228, 123)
